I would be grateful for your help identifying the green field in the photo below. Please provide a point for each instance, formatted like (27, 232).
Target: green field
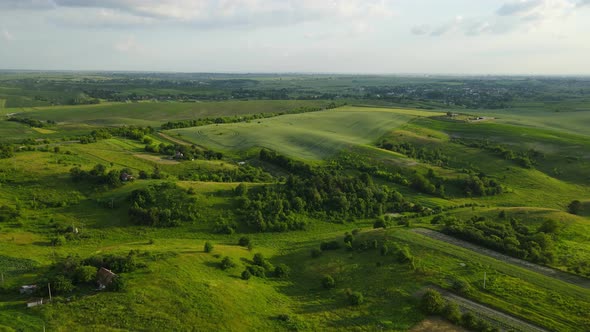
(313, 136)
(156, 113)
(360, 181)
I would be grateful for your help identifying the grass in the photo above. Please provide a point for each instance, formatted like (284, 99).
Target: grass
(156, 113)
(311, 136)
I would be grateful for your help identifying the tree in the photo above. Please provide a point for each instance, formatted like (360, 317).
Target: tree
(86, 274)
(549, 226)
(62, 285)
(432, 302)
(208, 247)
(227, 263)
(575, 207)
(259, 259)
(315, 252)
(244, 241)
(452, 313)
(328, 282)
(282, 271)
(356, 298)
(246, 275)
(118, 284)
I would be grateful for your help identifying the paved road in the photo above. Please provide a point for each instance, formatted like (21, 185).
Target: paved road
(549, 272)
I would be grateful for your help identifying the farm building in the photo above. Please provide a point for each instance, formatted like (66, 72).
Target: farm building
(104, 277)
(27, 289)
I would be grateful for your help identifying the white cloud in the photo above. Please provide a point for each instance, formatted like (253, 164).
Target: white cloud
(6, 35)
(526, 15)
(129, 44)
(208, 13)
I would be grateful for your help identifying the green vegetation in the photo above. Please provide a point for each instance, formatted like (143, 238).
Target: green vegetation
(292, 202)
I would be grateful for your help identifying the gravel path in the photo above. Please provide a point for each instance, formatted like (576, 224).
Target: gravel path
(549, 272)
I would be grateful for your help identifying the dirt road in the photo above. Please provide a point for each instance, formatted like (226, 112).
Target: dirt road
(549, 272)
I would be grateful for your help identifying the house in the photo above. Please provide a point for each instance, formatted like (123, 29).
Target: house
(126, 177)
(105, 277)
(28, 289)
(34, 302)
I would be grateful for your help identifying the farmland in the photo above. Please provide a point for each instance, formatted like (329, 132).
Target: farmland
(297, 203)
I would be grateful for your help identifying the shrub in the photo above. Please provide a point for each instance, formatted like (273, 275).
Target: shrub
(328, 282)
(62, 285)
(119, 284)
(469, 321)
(59, 240)
(316, 252)
(246, 275)
(432, 302)
(379, 223)
(227, 263)
(452, 313)
(356, 298)
(259, 260)
(208, 247)
(574, 207)
(244, 241)
(257, 271)
(332, 245)
(384, 250)
(85, 274)
(282, 271)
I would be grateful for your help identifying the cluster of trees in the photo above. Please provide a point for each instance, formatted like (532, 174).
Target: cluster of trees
(243, 118)
(512, 238)
(181, 152)
(293, 166)
(71, 272)
(244, 173)
(526, 159)
(162, 205)
(432, 303)
(98, 175)
(480, 185)
(323, 195)
(30, 122)
(431, 156)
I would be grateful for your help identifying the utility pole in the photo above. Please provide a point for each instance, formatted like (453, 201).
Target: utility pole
(49, 288)
(484, 280)
(2, 278)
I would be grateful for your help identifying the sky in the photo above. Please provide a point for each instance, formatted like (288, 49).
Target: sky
(513, 37)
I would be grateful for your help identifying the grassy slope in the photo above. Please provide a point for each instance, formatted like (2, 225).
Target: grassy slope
(312, 136)
(156, 113)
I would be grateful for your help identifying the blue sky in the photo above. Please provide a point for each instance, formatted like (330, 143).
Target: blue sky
(343, 36)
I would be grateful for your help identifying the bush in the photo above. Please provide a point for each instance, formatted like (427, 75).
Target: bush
(246, 275)
(62, 285)
(282, 271)
(259, 260)
(227, 263)
(119, 284)
(244, 241)
(208, 247)
(356, 298)
(257, 271)
(86, 274)
(452, 313)
(575, 207)
(384, 250)
(59, 240)
(332, 245)
(432, 302)
(315, 253)
(328, 282)
(379, 223)
(469, 321)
